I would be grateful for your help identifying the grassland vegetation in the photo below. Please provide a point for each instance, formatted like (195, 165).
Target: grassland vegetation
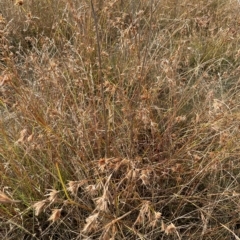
(119, 119)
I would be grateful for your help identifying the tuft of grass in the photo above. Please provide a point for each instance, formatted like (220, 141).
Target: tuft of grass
(119, 120)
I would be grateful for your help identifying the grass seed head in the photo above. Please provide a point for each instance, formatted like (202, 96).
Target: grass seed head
(39, 206)
(170, 229)
(5, 199)
(91, 224)
(157, 216)
(56, 214)
(52, 195)
(73, 186)
(19, 2)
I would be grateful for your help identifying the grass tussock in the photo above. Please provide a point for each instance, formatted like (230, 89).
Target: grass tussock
(119, 119)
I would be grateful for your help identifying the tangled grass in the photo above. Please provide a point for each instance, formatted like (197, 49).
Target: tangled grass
(119, 119)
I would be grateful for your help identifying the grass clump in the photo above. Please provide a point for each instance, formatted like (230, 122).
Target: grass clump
(119, 120)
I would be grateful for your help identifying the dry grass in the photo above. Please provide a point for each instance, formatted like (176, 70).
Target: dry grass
(119, 119)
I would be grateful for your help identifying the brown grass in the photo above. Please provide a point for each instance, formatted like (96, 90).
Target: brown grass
(119, 119)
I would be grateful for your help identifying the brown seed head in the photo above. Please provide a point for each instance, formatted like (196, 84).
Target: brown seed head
(19, 2)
